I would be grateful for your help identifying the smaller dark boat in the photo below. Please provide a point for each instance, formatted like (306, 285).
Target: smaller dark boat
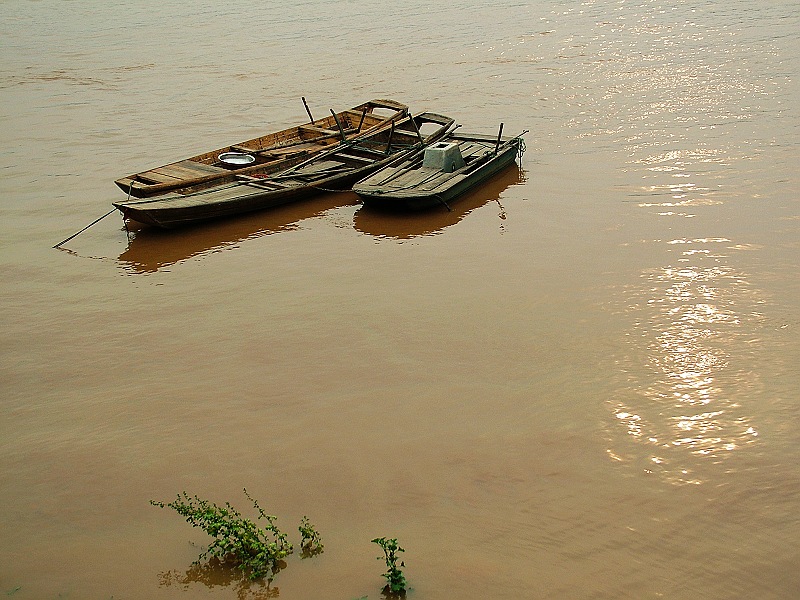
(275, 149)
(441, 172)
(268, 186)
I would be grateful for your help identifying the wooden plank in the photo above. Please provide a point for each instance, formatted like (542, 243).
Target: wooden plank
(472, 151)
(176, 172)
(262, 182)
(244, 149)
(435, 182)
(314, 129)
(323, 165)
(300, 149)
(200, 167)
(154, 177)
(354, 114)
(353, 157)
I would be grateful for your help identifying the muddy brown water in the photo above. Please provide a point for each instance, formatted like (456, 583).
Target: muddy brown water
(582, 382)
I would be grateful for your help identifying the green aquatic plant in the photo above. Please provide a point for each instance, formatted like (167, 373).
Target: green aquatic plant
(258, 551)
(311, 543)
(396, 581)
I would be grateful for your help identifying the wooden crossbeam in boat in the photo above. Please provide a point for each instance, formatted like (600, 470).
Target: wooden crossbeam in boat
(262, 182)
(315, 129)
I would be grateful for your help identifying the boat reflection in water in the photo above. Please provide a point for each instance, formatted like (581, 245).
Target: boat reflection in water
(387, 224)
(151, 249)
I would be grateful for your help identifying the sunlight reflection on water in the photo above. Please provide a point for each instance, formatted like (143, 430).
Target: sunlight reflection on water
(687, 395)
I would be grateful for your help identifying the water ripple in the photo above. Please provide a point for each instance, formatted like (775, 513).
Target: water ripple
(684, 401)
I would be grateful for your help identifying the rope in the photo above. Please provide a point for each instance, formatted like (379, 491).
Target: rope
(84, 229)
(442, 200)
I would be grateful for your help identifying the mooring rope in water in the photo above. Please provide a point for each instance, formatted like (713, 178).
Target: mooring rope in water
(521, 147)
(84, 229)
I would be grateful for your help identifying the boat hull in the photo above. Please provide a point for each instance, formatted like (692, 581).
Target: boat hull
(408, 187)
(172, 213)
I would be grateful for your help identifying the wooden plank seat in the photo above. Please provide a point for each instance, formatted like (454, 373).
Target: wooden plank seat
(183, 172)
(154, 178)
(261, 182)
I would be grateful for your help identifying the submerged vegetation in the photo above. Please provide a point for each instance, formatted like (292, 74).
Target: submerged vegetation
(311, 543)
(258, 548)
(258, 551)
(396, 581)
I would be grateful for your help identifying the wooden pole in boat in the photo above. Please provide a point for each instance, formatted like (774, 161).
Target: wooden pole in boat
(499, 135)
(361, 122)
(414, 123)
(308, 110)
(389, 143)
(59, 244)
(339, 125)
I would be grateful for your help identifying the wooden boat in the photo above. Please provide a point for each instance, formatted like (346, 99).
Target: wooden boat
(440, 173)
(396, 224)
(334, 169)
(273, 148)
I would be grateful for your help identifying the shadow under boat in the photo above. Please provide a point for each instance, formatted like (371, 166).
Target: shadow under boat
(391, 224)
(151, 249)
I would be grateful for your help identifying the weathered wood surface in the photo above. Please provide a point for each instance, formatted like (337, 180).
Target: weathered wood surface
(409, 185)
(274, 147)
(259, 188)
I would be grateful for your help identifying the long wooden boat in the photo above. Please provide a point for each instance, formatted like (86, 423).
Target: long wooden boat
(273, 148)
(334, 169)
(440, 173)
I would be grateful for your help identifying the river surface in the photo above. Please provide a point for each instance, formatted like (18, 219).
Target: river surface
(583, 382)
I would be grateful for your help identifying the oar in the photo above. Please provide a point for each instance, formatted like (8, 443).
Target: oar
(341, 146)
(389, 143)
(339, 125)
(499, 135)
(308, 110)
